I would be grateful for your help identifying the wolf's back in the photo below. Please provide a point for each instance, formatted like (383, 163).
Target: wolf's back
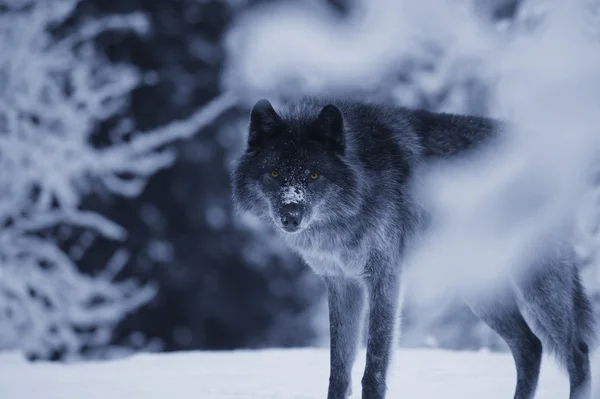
(445, 135)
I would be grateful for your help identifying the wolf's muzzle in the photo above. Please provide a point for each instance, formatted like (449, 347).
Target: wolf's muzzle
(291, 217)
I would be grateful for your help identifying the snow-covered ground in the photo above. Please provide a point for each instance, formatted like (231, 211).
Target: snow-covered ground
(266, 374)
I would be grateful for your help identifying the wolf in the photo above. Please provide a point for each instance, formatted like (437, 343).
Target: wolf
(333, 177)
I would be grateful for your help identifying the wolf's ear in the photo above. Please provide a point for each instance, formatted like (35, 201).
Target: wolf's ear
(330, 128)
(263, 122)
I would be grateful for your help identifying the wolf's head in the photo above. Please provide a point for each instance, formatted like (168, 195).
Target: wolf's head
(293, 172)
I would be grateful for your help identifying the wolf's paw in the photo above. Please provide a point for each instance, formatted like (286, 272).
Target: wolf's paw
(339, 390)
(373, 387)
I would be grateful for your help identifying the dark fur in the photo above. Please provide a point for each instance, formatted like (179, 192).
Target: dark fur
(353, 222)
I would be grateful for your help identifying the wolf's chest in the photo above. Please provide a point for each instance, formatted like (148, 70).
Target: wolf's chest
(331, 254)
(332, 257)
(334, 263)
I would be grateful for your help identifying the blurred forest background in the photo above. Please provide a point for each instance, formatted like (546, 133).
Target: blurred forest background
(119, 120)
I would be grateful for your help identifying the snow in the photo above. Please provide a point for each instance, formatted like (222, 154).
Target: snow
(299, 46)
(266, 374)
(492, 212)
(292, 195)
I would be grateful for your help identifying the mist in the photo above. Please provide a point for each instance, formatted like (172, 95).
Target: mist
(495, 210)
(540, 75)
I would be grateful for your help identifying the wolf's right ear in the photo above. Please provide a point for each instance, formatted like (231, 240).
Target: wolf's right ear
(330, 128)
(263, 122)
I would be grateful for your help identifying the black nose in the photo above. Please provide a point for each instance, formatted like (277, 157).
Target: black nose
(291, 218)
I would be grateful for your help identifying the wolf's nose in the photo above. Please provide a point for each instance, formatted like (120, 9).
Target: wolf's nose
(291, 217)
(291, 220)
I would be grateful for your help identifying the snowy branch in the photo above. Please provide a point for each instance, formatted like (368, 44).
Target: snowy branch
(53, 93)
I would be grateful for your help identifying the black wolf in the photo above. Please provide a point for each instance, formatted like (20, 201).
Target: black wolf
(333, 177)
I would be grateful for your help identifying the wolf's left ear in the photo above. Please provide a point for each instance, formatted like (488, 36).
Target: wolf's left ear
(330, 126)
(263, 122)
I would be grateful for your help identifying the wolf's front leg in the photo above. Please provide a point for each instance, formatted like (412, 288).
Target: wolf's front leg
(346, 303)
(383, 285)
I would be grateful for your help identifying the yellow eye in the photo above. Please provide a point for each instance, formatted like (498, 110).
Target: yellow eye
(314, 175)
(274, 173)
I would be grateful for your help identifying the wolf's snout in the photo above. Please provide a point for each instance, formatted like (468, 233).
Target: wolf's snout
(291, 217)
(291, 220)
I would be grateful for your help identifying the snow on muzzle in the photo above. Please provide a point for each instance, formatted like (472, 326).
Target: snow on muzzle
(292, 208)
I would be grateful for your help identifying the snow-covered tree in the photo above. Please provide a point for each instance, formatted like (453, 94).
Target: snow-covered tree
(55, 89)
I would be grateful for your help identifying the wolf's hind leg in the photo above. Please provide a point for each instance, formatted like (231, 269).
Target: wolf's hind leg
(556, 302)
(578, 366)
(502, 315)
